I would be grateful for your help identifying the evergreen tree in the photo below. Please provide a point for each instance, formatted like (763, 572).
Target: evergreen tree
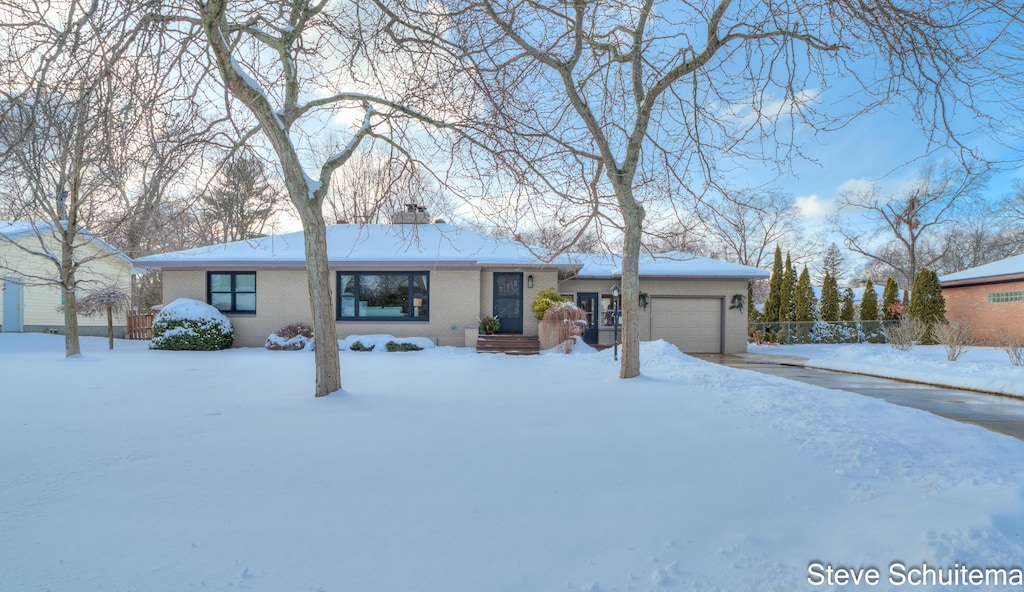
(890, 297)
(833, 263)
(926, 302)
(241, 201)
(772, 306)
(846, 309)
(829, 299)
(804, 300)
(791, 276)
(869, 303)
(752, 315)
(788, 291)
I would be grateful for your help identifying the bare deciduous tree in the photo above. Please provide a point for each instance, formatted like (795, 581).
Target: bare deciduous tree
(292, 69)
(69, 79)
(584, 106)
(374, 184)
(900, 230)
(745, 226)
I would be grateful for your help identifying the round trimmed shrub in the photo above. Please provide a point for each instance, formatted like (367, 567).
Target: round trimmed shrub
(187, 324)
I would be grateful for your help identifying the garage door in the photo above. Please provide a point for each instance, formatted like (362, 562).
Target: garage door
(692, 324)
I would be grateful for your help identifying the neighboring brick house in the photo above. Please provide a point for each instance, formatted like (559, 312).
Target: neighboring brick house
(436, 281)
(989, 297)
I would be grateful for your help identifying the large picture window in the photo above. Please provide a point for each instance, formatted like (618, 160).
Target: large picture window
(383, 296)
(232, 291)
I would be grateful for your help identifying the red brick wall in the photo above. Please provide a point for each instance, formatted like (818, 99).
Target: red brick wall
(970, 304)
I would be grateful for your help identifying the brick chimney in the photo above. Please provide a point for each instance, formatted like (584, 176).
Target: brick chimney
(413, 214)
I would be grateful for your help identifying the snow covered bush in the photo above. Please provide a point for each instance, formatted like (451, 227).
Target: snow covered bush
(357, 346)
(824, 332)
(394, 346)
(291, 338)
(187, 324)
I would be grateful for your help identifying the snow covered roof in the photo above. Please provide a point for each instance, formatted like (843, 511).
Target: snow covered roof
(439, 245)
(13, 230)
(675, 264)
(858, 293)
(1010, 268)
(379, 245)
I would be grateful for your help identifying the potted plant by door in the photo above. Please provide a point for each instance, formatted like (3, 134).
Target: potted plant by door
(489, 325)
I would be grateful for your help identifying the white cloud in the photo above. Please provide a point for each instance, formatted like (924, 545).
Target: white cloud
(856, 185)
(814, 207)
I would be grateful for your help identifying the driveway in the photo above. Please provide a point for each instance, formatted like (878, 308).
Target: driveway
(999, 414)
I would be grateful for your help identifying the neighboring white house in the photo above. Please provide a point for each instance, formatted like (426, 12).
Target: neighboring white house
(436, 281)
(31, 298)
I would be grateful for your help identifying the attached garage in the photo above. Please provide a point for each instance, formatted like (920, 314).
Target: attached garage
(695, 303)
(694, 325)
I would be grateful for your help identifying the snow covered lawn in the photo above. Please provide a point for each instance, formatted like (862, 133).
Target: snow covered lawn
(448, 471)
(985, 369)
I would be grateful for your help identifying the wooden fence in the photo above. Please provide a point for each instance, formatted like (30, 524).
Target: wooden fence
(140, 324)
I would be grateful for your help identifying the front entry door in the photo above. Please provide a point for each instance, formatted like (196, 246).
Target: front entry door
(13, 304)
(587, 301)
(508, 301)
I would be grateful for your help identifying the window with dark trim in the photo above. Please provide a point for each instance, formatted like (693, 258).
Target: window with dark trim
(232, 291)
(384, 296)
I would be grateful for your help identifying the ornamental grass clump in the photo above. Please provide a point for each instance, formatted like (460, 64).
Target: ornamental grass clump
(191, 325)
(564, 323)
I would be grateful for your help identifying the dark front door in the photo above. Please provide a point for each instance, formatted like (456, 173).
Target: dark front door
(587, 301)
(508, 301)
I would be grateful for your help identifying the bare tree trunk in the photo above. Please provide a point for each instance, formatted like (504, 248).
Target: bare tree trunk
(110, 326)
(328, 365)
(72, 347)
(633, 216)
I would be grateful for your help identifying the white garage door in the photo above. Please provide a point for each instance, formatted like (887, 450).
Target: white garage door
(692, 324)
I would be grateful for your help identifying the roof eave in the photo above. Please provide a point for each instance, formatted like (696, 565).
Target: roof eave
(979, 281)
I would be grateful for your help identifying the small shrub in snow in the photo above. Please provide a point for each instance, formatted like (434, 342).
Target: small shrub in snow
(545, 299)
(394, 346)
(955, 336)
(191, 325)
(293, 337)
(358, 346)
(1013, 345)
(906, 333)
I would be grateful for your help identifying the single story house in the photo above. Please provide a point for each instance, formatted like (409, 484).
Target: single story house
(31, 296)
(437, 281)
(990, 297)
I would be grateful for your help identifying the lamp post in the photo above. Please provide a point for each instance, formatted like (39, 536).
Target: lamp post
(615, 318)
